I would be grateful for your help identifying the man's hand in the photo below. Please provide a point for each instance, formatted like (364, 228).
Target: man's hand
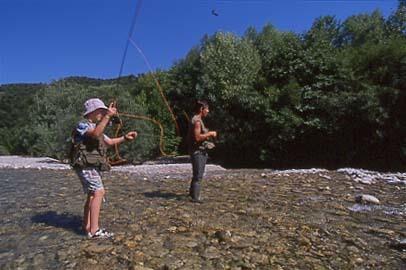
(130, 136)
(213, 134)
(112, 111)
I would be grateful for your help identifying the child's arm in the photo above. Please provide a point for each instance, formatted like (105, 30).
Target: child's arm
(128, 137)
(98, 131)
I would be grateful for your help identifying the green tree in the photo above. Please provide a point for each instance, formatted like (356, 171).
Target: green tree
(360, 29)
(397, 21)
(229, 68)
(324, 32)
(280, 55)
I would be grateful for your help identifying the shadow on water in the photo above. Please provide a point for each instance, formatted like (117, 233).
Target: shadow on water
(65, 221)
(165, 195)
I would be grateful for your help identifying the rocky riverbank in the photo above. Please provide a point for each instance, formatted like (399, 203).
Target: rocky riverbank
(250, 219)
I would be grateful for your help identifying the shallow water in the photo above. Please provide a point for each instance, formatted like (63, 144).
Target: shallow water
(397, 211)
(248, 221)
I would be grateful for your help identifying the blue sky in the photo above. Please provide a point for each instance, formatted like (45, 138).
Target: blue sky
(46, 40)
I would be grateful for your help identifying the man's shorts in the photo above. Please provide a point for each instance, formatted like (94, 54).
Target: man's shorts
(91, 180)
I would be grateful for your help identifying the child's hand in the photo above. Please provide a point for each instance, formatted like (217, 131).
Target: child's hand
(112, 111)
(131, 135)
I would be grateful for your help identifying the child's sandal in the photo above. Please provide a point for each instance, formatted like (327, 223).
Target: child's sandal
(100, 234)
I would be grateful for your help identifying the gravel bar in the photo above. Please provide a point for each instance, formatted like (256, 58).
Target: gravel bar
(19, 162)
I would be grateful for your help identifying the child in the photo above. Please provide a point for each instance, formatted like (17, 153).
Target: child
(197, 138)
(89, 157)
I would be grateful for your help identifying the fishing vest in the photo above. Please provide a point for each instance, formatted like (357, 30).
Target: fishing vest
(193, 145)
(91, 152)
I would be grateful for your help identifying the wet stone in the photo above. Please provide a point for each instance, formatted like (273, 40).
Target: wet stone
(38, 259)
(223, 236)
(192, 244)
(364, 198)
(62, 255)
(98, 248)
(139, 267)
(211, 253)
(399, 244)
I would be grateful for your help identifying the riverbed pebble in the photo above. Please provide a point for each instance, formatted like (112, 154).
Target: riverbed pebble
(365, 198)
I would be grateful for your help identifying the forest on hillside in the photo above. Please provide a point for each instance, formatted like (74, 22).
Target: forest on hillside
(331, 97)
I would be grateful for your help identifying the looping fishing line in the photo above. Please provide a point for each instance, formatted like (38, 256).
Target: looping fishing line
(117, 159)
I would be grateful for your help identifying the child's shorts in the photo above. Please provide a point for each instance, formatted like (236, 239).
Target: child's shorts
(91, 179)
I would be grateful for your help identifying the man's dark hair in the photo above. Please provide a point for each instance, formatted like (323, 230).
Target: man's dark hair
(199, 105)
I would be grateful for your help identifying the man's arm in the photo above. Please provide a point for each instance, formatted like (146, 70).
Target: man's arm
(199, 137)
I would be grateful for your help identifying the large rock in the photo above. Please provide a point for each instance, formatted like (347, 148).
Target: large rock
(363, 198)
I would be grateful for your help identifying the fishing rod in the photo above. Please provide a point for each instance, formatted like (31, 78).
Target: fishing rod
(117, 159)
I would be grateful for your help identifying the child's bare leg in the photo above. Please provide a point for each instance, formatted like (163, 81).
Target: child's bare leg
(86, 213)
(95, 205)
